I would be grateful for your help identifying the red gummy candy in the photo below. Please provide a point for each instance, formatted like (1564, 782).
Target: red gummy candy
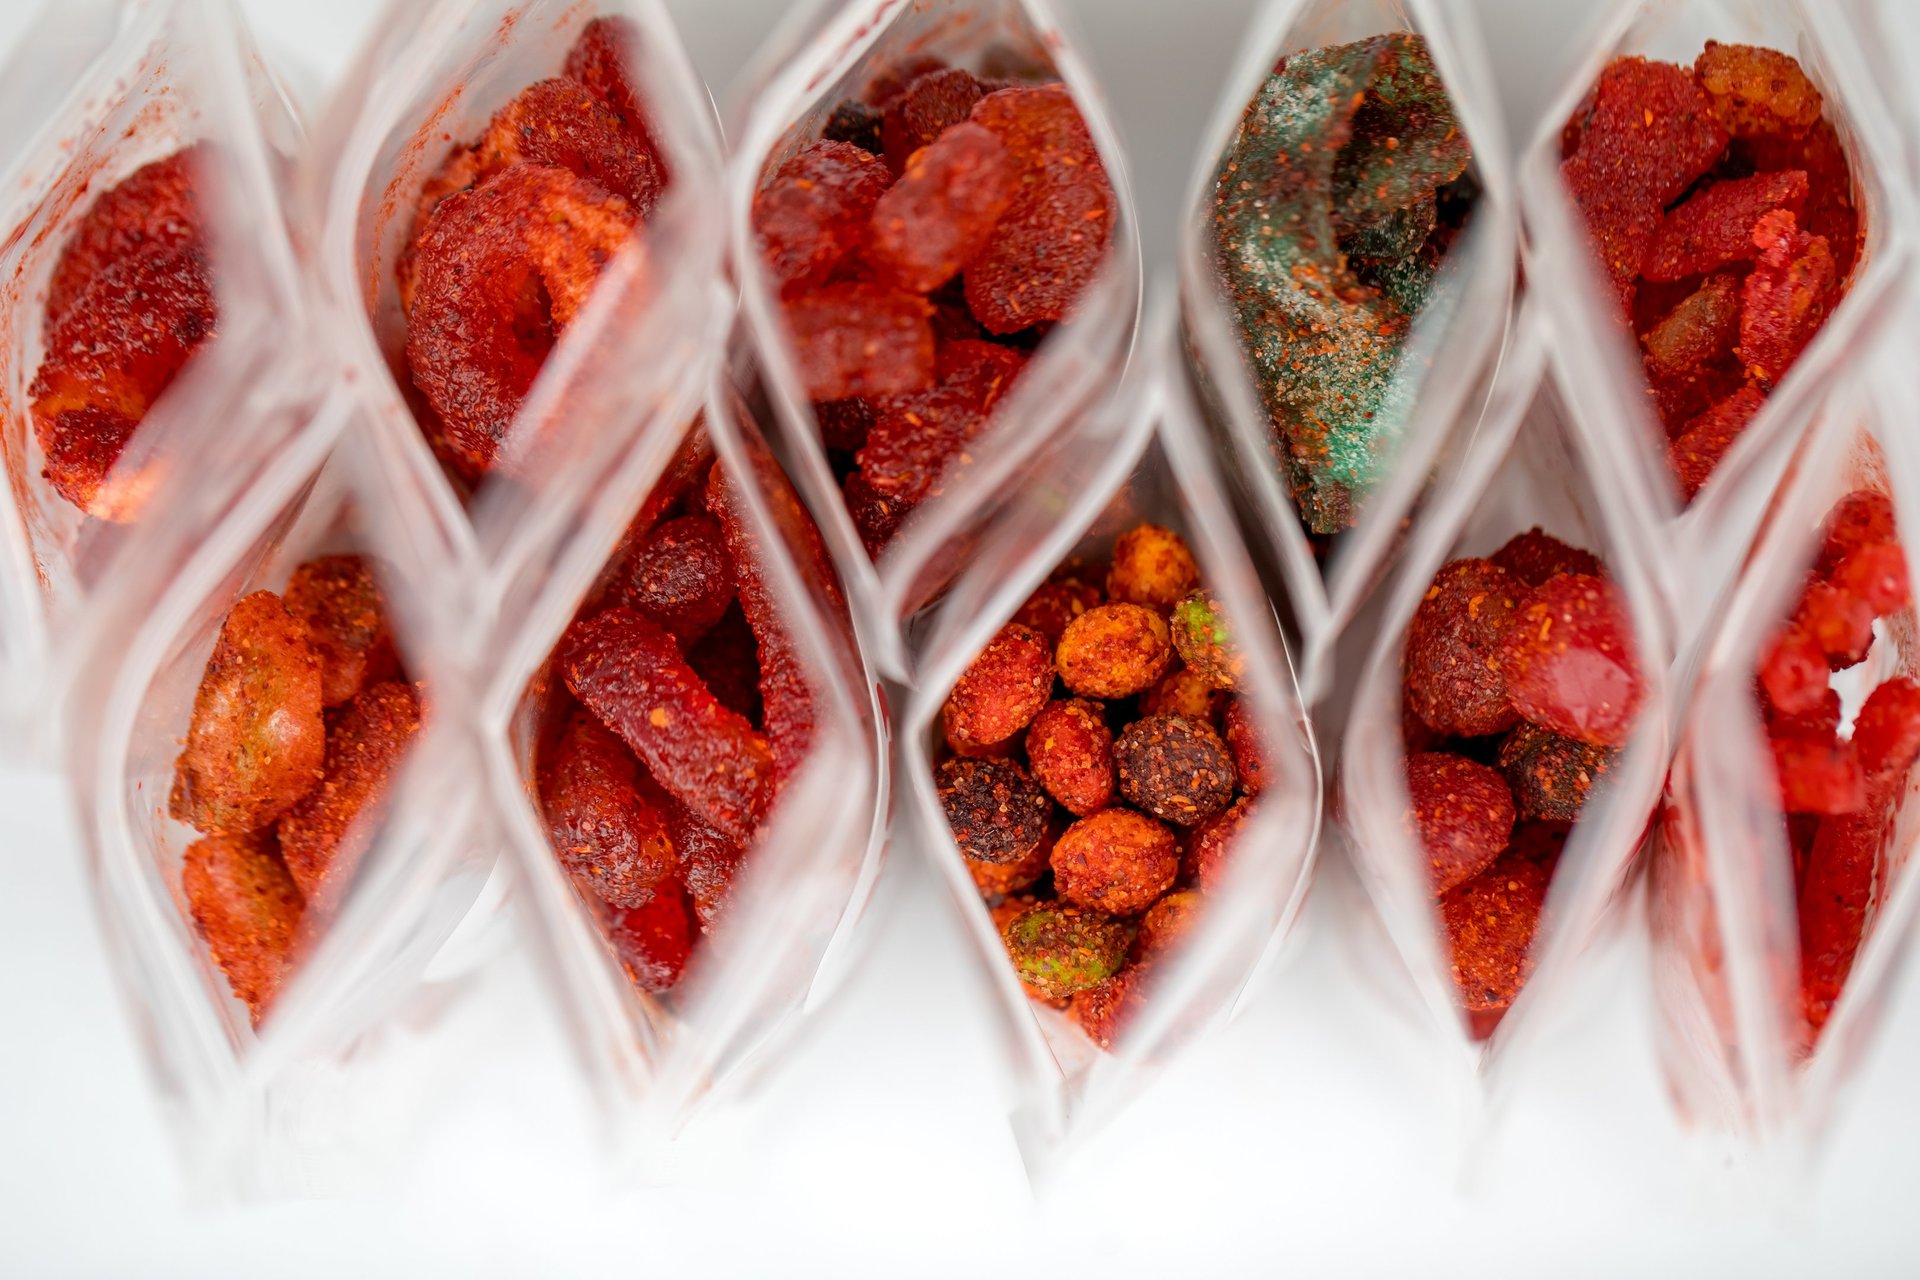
(1822, 720)
(1886, 733)
(1696, 451)
(599, 60)
(1838, 621)
(1463, 812)
(1053, 238)
(861, 339)
(1787, 296)
(1829, 211)
(813, 212)
(708, 862)
(916, 438)
(1877, 573)
(1818, 775)
(942, 211)
(681, 577)
(603, 826)
(1536, 555)
(1454, 673)
(926, 108)
(1716, 225)
(150, 214)
(1794, 673)
(630, 674)
(1650, 133)
(1569, 660)
(654, 940)
(1862, 517)
(1836, 892)
(324, 836)
(1490, 923)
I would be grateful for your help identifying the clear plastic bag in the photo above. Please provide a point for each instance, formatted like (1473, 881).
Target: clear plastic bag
(1071, 369)
(96, 90)
(784, 942)
(1741, 1050)
(296, 1104)
(1443, 373)
(1695, 549)
(1145, 458)
(634, 359)
(1535, 473)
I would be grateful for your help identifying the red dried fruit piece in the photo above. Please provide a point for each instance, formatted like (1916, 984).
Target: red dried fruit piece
(1569, 660)
(728, 660)
(1536, 555)
(1650, 133)
(1104, 1011)
(1886, 732)
(1001, 690)
(1836, 892)
(1251, 758)
(995, 811)
(942, 211)
(814, 211)
(630, 674)
(1055, 604)
(918, 438)
(1696, 451)
(248, 909)
(1715, 225)
(131, 328)
(708, 862)
(1877, 574)
(681, 577)
(257, 742)
(1114, 651)
(1151, 566)
(502, 270)
(654, 941)
(1053, 238)
(859, 339)
(1176, 769)
(324, 836)
(599, 59)
(1787, 297)
(1818, 775)
(561, 123)
(1551, 776)
(1454, 675)
(1829, 211)
(1756, 91)
(604, 826)
(1837, 620)
(1490, 922)
(877, 517)
(1070, 750)
(151, 213)
(1462, 812)
(1863, 517)
(924, 110)
(338, 601)
(1794, 672)
(1115, 861)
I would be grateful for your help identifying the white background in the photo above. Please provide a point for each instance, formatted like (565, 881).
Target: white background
(1316, 1137)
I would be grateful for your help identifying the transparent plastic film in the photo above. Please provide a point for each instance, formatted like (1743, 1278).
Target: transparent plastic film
(559, 152)
(690, 917)
(146, 282)
(1118, 912)
(1345, 313)
(1494, 808)
(1783, 893)
(276, 794)
(1753, 237)
(946, 172)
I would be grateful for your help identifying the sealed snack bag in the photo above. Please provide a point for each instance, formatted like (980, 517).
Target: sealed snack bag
(521, 256)
(277, 800)
(689, 758)
(1108, 760)
(936, 250)
(1508, 736)
(1347, 274)
(1716, 215)
(1782, 892)
(147, 282)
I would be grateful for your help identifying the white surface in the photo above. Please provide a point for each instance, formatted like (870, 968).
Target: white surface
(1313, 1138)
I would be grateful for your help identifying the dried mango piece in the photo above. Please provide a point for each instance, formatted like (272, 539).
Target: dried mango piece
(324, 836)
(604, 827)
(256, 743)
(561, 122)
(681, 577)
(339, 602)
(814, 211)
(860, 339)
(877, 517)
(1696, 451)
(248, 909)
(1715, 225)
(1757, 92)
(630, 674)
(1787, 296)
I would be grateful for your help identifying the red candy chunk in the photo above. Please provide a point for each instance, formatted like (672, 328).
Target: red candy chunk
(877, 517)
(1818, 775)
(1794, 673)
(1696, 451)
(151, 213)
(1053, 238)
(1877, 574)
(814, 212)
(1886, 733)
(1829, 211)
(1454, 672)
(1689, 353)
(653, 941)
(630, 674)
(599, 60)
(930, 105)
(603, 826)
(681, 577)
(1490, 921)
(1822, 720)
(916, 438)
(858, 339)
(324, 836)
(1536, 555)
(1756, 92)
(1838, 621)
(1569, 661)
(1716, 225)
(1787, 296)
(1862, 517)
(1650, 133)
(708, 862)
(1836, 891)
(943, 211)
(1463, 812)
